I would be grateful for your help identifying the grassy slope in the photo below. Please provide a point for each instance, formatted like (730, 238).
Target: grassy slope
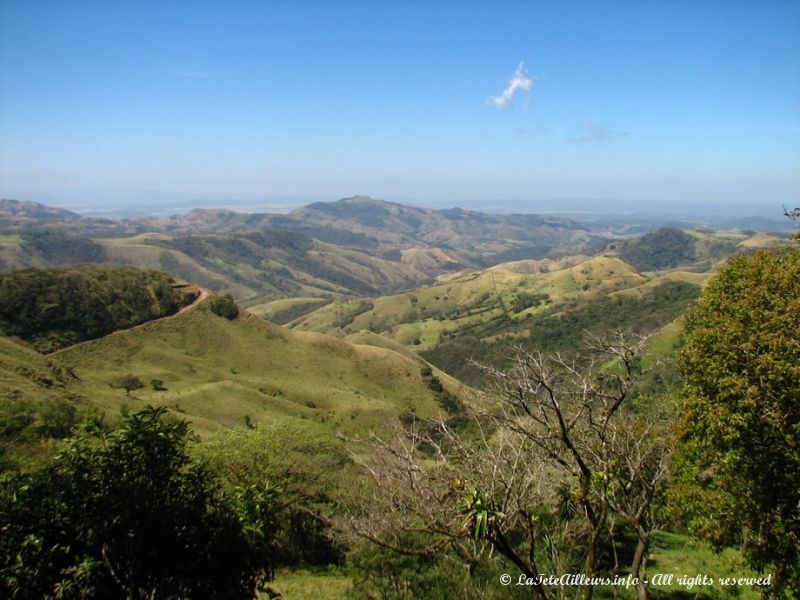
(422, 318)
(461, 302)
(282, 310)
(218, 373)
(29, 376)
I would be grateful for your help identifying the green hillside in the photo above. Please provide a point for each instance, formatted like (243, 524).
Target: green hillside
(506, 295)
(546, 303)
(698, 250)
(58, 306)
(223, 373)
(214, 372)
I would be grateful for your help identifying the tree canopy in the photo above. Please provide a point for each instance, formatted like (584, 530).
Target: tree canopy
(742, 415)
(59, 306)
(124, 515)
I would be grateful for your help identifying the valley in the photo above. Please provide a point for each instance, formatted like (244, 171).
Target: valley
(308, 342)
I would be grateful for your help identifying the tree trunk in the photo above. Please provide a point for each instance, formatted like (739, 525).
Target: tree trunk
(591, 558)
(637, 567)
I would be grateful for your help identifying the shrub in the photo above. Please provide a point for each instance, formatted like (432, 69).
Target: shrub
(224, 306)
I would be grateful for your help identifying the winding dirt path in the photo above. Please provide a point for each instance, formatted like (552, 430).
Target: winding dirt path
(204, 293)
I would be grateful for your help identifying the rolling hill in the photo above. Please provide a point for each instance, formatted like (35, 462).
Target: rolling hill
(356, 246)
(215, 372)
(548, 303)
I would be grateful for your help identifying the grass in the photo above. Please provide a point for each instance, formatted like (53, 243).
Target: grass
(284, 310)
(683, 556)
(678, 555)
(308, 584)
(663, 342)
(419, 319)
(220, 373)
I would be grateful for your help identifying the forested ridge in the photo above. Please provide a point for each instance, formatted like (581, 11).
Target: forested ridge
(55, 307)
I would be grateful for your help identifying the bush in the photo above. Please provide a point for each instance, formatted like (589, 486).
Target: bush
(224, 306)
(125, 515)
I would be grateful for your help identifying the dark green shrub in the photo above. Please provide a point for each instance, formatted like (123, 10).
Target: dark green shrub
(224, 306)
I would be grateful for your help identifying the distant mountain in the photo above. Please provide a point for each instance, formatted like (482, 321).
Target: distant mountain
(15, 212)
(356, 246)
(478, 238)
(16, 215)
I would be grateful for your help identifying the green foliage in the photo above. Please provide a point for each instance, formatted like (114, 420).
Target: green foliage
(127, 382)
(224, 306)
(382, 573)
(125, 515)
(742, 425)
(663, 248)
(27, 425)
(59, 247)
(59, 306)
(562, 330)
(525, 300)
(654, 308)
(283, 473)
(481, 514)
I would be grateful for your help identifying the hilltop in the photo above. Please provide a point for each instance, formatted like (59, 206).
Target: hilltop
(216, 372)
(478, 238)
(356, 246)
(547, 303)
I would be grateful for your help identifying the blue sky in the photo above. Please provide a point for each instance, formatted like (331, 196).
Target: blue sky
(111, 103)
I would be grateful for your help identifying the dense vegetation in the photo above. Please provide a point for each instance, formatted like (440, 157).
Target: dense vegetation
(224, 306)
(661, 249)
(742, 424)
(124, 515)
(562, 329)
(142, 512)
(59, 306)
(61, 247)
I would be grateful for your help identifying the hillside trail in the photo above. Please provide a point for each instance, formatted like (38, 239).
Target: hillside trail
(204, 293)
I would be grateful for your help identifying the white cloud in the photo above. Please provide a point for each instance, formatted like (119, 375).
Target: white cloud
(593, 131)
(519, 81)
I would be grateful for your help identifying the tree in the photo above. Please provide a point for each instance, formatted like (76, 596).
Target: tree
(742, 416)
(122, 515)
(224, 306)
(563, 448)
(578, 415)
(127, 382)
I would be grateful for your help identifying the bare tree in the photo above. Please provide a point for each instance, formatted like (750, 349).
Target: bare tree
(557, 446)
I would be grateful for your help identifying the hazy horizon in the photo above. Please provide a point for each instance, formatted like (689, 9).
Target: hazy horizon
(110, 107)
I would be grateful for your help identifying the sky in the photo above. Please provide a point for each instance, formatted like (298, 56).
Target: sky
(112, 103)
